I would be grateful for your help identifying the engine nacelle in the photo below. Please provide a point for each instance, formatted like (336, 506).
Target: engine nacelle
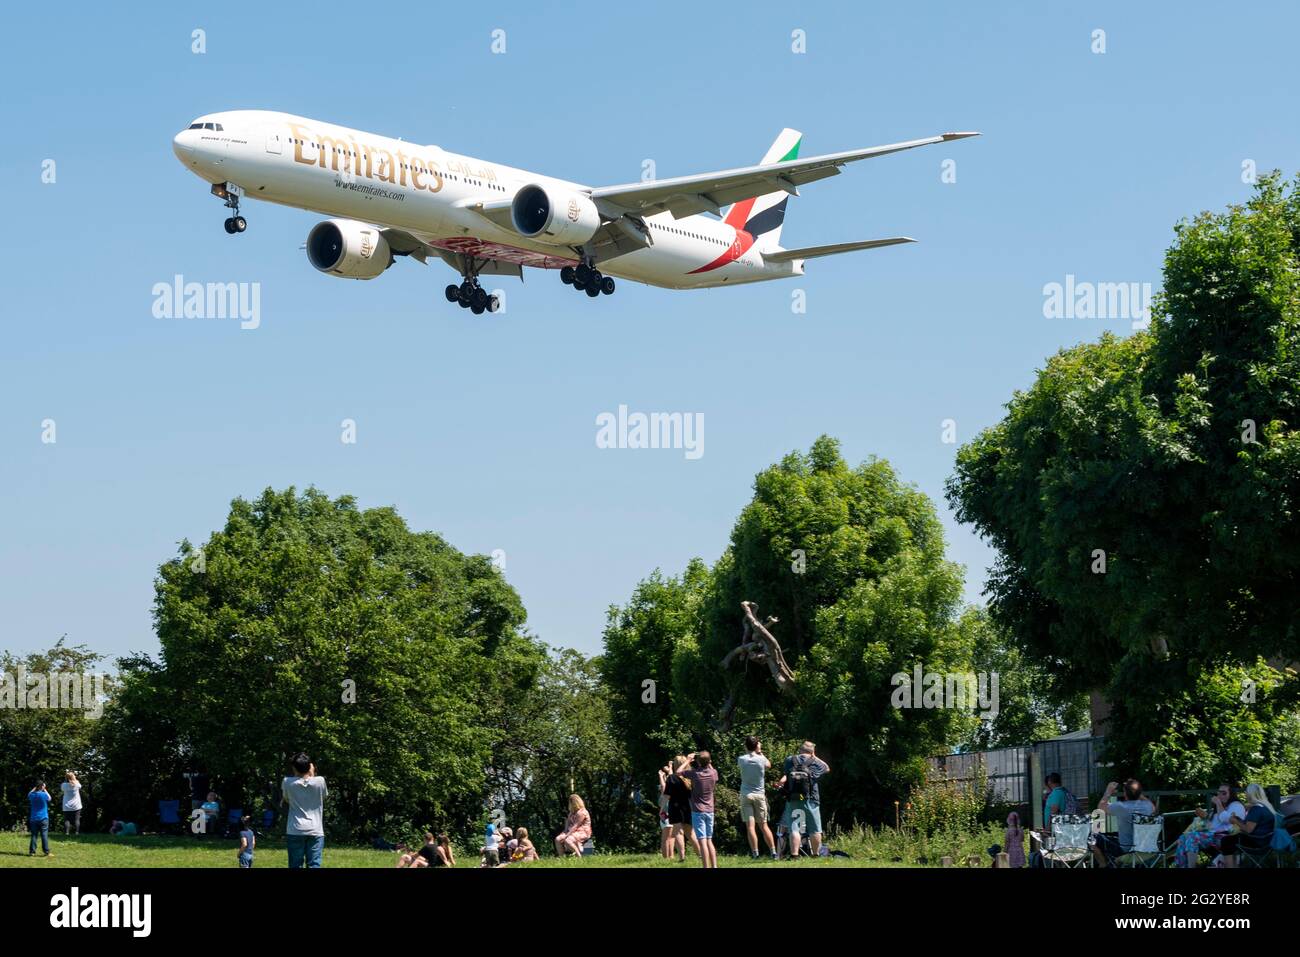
(347, 248)
(549, 216)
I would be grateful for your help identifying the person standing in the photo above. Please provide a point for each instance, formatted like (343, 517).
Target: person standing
(679, 809)
(753, 795)
(38, 819)
(803, 797)
(704, 782)
(304, 831)
(247, 841)
(71, 789)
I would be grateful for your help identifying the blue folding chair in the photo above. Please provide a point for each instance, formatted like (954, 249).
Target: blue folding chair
(169, 815)
(268, 820)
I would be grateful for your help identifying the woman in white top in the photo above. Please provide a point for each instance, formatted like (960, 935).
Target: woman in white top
(71, 804)
(1218, 823)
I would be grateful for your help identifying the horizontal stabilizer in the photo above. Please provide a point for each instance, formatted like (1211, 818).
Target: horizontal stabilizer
(812, 252)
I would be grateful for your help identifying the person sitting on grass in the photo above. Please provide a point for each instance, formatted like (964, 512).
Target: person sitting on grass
(577, 829)
(1111, 846)
(523, 849)
(1209, 827)
(247, 841)
(1254, 829)
(430, 854)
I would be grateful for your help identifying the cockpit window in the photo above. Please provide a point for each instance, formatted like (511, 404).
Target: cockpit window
(215, 127)
(196, 126)
(218, 127)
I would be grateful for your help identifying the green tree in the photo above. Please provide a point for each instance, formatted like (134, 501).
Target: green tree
(307, 623)
(1141, 495)
(851, 562)
(39, 740)
(560, 740)
(1027, 710)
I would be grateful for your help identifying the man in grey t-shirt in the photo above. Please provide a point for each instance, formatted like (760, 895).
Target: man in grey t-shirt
(304, 830)
(753, 795)
(1111, 846)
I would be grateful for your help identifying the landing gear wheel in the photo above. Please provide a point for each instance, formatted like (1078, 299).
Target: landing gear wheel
(453, 293)
(566, 275)
(595, 278)
(581, 273)
(478, 301)
(462, 297)
(607, 286)
(467, 288)
(477, 308)
(230, 225)
(593, 290)
(240, 224)
(493, 303)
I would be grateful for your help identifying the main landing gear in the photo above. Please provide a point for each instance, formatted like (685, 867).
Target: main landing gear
(587, 278)
(470, 295)
(230, 193)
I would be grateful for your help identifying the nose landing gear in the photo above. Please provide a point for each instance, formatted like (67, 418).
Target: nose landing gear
(231, 193)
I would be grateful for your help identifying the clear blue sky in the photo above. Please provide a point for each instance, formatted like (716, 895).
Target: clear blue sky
(483, 429)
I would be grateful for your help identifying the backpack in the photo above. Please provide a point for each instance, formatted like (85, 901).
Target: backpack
(799, 781)
(1072, 806)
(1282, 841)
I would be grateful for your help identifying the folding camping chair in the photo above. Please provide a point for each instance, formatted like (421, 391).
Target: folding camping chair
(1148, 840)
(234, 816)
(1071, 840)
(169, 815)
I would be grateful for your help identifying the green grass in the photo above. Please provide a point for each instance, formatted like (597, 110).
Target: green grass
(103, 850)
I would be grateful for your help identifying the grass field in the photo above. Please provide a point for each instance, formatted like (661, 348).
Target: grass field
(103, 850)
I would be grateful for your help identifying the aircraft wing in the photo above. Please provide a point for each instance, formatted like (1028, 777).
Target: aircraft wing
(710, 192)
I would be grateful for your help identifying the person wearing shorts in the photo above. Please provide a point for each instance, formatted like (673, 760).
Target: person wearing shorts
(753, 795)
(704, 782)
(803, 813)
(679, 809)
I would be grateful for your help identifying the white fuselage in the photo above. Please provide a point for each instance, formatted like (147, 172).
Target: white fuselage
(428, 192)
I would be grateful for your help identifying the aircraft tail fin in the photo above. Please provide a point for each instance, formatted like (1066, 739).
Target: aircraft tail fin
(763, 216)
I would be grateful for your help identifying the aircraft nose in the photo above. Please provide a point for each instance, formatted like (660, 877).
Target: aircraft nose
(183, 146)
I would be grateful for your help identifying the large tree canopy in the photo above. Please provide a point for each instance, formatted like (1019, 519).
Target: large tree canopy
(851, 562)
(1142, 494)
(307, 623)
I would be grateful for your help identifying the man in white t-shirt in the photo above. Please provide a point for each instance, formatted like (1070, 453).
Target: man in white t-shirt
(304, 831)
(71, 804)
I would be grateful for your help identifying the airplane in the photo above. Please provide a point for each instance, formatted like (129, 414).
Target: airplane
(390, 197)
